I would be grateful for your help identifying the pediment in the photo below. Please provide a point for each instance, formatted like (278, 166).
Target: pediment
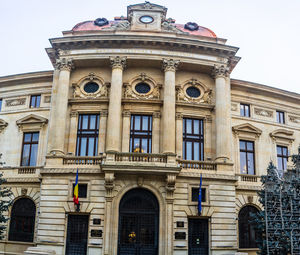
(3, 124)
(246, 128)
(282, 134)
(32, 120)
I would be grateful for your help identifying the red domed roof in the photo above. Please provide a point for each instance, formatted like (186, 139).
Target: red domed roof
(90, 26)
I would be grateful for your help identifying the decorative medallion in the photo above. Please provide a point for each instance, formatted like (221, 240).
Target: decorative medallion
(101, 22)
(90, 86)
(192, 26)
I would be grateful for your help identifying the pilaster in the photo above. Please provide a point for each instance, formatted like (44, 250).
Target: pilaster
(156, 132)
(126, 131)
(179, 118)
(102, 131)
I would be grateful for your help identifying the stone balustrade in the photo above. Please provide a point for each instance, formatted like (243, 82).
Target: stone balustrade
(82, 160)
(248, 178)
(193, 164)
(141, 157)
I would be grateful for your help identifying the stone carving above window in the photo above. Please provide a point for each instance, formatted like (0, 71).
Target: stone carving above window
(204, 95)
(3, 125)
(294, 119)
(31, 122)
(282, 135)
(248, 129)
(263, 112)
(91, 86)
(15, 102)
(142, 87)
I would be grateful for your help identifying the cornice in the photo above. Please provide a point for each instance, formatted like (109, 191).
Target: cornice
(43, 76)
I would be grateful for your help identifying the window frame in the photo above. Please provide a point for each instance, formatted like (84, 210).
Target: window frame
(280, 117)
(247, 152)
(80, 133)
(30, 143)
(1, 101)
(140, 133)
(243, 110)
(190, 194)
(186, 139)
(80, 184)
(282, 156)
(35, 97)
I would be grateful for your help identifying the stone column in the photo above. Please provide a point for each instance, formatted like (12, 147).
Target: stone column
(113, 137)
(208, 138)
(156, 132)
(126, 131)
(223, 114)
(179, 134)
(169, 67)
(102, 131)
(59, 108)
(73, 132)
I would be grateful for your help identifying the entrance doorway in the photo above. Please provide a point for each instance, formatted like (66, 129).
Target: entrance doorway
(77, 234)
(138, 223)
(198, 237)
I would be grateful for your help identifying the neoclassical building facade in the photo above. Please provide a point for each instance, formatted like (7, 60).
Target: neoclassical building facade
(142, 107)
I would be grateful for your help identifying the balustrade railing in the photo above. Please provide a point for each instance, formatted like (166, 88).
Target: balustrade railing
(192, 164)
(82, 160)
(248, 178)
(140, 157)
(27, 170)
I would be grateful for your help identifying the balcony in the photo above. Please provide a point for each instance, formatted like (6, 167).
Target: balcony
(21, 173)
(248, 178)
(193, 164)
(80, 160)
(140, 157)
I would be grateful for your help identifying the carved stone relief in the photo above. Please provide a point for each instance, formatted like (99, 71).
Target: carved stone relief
(205, 93)
(120, 25)
(234, 107)
(102, 92)
(3, 125)
(263, 112)
(130, 91)
(15, 102)
(294, 119)
(47, 99)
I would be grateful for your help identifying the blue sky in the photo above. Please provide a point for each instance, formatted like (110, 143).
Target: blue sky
(266, 31)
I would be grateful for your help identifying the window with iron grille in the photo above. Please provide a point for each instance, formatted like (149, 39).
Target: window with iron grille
(35, 101)
(282, 157)
(247, 160)
(22, 220)
(245, 110)
(193, 139)
(280, 117)
(82, 190)
(30, 149)
(247, 232)
(87, 135)
(195, 194)
(141, 134)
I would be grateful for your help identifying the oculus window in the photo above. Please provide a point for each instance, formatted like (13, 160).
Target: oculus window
(91, 87)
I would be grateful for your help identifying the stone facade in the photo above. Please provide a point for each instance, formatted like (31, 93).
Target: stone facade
(169, 60)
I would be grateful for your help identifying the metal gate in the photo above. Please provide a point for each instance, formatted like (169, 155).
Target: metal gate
(77, 235)
(138, 223)
(198, 237)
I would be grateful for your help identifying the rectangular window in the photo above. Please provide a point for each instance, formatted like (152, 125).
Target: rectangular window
(87, 135)
(245, 110)
(35, 101)
(247, 160)
(82, 190)
(195, 194)
(0, 104)
(282, 158)
(193, 139)
(141, 134)
(30, 149)
(280, 117)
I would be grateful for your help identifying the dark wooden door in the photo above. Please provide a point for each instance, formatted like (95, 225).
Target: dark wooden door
(77, 235)
(198, 237)
(138, 223)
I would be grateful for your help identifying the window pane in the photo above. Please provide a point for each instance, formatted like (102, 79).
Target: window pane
(38, 101)
(183, 150)
(196, 126)
(33, 156)
(27, 137)
(92, 121)
(250, 163)
(137, 123)
(285, 151)
(247, 112)
(91, 145)
(242, 111)
(279, 163)
(136, 145)
(279, 151)
(0, 104)
(196, 151)
(130, 145)
(242, 145)
(145, 123)
(35, 137)
(150, 146)
(82, 149)
(284, 163)
(85, 119)
(249, 146)
(243, 163)
(144, 146)
(25, 156)
(33, 101)
(189, 151)
(189, 126)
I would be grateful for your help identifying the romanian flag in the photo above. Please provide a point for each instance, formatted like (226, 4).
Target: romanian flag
(200, 197)
(75, 198)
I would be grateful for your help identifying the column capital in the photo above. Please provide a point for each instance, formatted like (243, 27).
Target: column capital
(64, 64)
(156, 115)
(170, 64)
(104, 113)
(220, 71)
(73, 114)
(126, 114)
(179, 116)
(118, 62)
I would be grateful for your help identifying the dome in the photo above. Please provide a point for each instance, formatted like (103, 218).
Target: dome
(189, 28)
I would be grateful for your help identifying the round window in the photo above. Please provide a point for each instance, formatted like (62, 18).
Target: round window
(142, 88)
(91, 87)
(193, 92)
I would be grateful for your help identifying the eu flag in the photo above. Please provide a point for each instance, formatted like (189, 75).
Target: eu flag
(200, 197)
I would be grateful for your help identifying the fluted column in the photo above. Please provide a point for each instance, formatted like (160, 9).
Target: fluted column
(102, 131)
(113, 142)
(169, 67)
(156, 132)
(59, 107)
(223, 113)
(126, 131)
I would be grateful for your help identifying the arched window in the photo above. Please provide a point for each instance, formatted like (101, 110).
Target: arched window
(22, 220)
(247, 233)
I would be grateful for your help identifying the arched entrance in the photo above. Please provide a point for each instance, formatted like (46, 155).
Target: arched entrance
(138, 223)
